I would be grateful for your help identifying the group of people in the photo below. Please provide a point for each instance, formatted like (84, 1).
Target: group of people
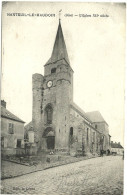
(102, 152)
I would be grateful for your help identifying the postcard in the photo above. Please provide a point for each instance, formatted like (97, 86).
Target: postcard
(62, 103)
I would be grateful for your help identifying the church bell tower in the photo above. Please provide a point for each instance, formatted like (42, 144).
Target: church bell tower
(52, 96)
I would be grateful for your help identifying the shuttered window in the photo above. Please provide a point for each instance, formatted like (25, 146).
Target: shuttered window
(11, 128)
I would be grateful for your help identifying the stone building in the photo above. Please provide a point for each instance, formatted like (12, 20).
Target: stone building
(12, 132)
(58, 123)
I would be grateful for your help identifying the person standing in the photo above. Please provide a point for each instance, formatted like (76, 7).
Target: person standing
(102, 153)
(123, 155)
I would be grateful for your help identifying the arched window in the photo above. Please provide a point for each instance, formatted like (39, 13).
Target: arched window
(48, 114)
(71, 131)
(71, 136)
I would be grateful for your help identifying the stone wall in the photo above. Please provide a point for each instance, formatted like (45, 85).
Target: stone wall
(102, 127)
(37, 87)
(63, 110)
(59, 96)
(87, 139)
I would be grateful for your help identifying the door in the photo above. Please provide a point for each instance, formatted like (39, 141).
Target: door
(50, 142)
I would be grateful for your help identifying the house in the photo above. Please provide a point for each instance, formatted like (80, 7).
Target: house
(12, 132)
(116, 148)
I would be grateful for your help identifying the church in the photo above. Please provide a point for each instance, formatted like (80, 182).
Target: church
(58, 124)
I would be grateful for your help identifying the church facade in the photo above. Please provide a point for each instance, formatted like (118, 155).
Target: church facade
(57, 122)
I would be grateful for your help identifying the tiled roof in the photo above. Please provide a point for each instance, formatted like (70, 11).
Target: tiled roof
(29, 126)
(116, 145)
(77, 108)
(95, 116)
(7, 114)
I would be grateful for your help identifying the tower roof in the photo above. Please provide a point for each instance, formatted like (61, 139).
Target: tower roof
(59, 50)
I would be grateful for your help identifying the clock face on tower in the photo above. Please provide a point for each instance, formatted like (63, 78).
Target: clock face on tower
(49, 83)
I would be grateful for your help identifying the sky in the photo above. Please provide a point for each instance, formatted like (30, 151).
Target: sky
(96, 50)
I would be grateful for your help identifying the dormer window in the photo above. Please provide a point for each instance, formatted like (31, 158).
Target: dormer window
(53, 70)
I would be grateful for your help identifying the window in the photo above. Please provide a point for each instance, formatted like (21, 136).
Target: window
(18, 143)
(11, 128)
(53, 70)
(2, 142)
(95, 126)
(71, 136)
(94, 137)
(48, 114)
(87, 134)
(104, 140)
(71, 131)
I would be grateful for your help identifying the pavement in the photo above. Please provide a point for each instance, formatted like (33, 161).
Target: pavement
(102, 175)
(11, 168)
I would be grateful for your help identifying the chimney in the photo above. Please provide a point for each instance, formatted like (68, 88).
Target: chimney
(3, 103)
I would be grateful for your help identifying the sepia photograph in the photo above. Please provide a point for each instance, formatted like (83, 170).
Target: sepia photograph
(63, 98)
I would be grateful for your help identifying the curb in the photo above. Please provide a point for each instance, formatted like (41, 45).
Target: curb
(15, 162)
(53, 166)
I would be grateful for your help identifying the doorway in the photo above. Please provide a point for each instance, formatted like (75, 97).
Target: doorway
(51, 142)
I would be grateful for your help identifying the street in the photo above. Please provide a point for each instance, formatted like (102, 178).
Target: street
(102, 175)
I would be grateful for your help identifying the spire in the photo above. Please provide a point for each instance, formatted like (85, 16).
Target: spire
(59, 50)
